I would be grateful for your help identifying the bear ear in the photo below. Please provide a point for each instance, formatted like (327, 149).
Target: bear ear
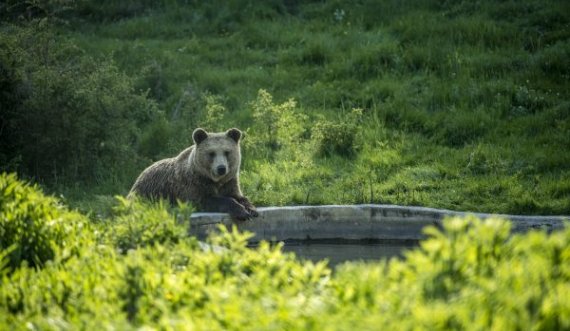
(234, 133)
(199, 135)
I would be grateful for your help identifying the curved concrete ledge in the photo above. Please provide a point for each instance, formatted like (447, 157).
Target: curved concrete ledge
(352, 222)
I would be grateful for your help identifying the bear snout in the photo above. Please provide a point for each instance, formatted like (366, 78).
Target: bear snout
(221, 170)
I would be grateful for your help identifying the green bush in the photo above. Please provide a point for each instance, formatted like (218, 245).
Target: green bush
(339, 138)
(470, 274)
(68, 117)
(35, 228)
(276, 126)
(215, 111)
(136, 224)
(473, 275)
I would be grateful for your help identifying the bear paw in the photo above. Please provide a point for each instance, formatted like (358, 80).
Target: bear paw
(252, 211)
(248, 206)
(241, 214)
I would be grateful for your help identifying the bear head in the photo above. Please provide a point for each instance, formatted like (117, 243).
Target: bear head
(217, 155)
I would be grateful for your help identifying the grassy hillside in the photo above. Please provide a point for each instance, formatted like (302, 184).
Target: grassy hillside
(450, 104)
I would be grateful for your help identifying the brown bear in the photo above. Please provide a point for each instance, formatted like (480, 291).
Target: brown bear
(205, 174)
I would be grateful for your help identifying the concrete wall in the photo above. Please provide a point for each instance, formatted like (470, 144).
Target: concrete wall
(357, 222)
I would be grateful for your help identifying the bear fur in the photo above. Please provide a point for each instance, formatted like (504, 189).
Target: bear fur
(205, 174)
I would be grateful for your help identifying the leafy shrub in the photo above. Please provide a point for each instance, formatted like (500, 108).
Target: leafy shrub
(215, 111)
(339, 138)
(155, 140)
(276, 125)
(70, 117)
(35, 228)
(470, 274)
(137, 224)
(152, 78)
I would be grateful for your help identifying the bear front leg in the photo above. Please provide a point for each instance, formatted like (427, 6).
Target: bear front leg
(227, 205)
(248, 205)
(231, 189)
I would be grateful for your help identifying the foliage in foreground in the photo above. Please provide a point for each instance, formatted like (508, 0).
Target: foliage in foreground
(35, 228)
(474, 274)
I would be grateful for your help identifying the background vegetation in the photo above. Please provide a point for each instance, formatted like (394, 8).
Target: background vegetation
(455, 104)
(136, 269)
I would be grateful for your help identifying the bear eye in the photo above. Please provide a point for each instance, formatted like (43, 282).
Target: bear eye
(212, 154)
(227, 153)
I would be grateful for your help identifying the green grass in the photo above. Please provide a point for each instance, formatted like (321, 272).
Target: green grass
(464, 106)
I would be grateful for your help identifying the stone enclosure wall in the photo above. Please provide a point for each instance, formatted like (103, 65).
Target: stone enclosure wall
(352, 222)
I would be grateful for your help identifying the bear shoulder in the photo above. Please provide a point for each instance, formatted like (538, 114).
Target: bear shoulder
(183, 163)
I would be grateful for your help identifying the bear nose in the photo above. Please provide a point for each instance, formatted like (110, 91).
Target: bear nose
(221, 170)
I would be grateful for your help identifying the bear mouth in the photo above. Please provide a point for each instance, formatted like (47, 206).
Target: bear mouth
(217, 177)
